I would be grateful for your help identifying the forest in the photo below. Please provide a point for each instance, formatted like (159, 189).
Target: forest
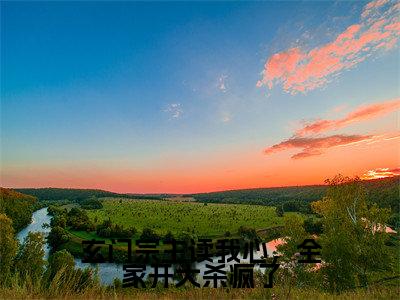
(19, 207)
(384, 192)
(359, 260)
(77, 195)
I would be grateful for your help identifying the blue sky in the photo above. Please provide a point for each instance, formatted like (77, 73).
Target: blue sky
(154, 88)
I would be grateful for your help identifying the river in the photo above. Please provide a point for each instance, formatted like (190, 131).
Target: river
(107, 271)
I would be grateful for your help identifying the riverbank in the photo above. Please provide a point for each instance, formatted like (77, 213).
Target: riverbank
(106, 271)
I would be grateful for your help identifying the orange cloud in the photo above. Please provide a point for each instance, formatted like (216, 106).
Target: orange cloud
(360, 114)
(312, 146)
(300, 71)
(381, 173)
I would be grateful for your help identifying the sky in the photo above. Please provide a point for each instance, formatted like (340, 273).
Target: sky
(179, 97)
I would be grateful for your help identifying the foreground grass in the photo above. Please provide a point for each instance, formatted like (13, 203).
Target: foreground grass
(377, 292)
(67, 285)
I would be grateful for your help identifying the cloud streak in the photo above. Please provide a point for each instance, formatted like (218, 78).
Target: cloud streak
(299, 70)
(174, 110)
(311, 146)
(362, 113)
(381, 173)
(222, 83)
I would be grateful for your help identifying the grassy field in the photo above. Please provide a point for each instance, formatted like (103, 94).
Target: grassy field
(209, 220)
(23, 291)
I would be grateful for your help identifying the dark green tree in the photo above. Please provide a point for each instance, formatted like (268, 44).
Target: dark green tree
(8, 248)
(30, 258)
(353, 238)
(60, 261)
(149, 234)
(279, 211)
(57, 237)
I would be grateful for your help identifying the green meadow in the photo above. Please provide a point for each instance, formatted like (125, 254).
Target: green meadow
(204, 220)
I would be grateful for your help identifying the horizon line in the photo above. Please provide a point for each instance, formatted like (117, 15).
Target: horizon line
(166, 193)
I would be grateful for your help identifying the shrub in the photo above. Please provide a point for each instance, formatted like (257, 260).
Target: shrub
(57, 237)
(149, 234)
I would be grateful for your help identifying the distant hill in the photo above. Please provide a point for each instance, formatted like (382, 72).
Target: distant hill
(385, 192)
(17, 206)
(77, 195)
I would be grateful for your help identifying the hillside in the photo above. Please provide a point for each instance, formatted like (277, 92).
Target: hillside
(17, 206)
(384, 192)
(75, 195)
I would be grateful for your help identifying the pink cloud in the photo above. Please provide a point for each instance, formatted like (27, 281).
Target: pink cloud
(360, 114)
(371, 6)
(299, 70)
(311, 146)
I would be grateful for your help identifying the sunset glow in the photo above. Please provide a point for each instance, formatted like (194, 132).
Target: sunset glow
(198, 97)
(381, 173)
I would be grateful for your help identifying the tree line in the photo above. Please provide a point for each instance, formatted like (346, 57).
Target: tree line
(384, 192)
(79, 195)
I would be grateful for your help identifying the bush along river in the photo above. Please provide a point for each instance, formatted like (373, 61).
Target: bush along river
(108, 271)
